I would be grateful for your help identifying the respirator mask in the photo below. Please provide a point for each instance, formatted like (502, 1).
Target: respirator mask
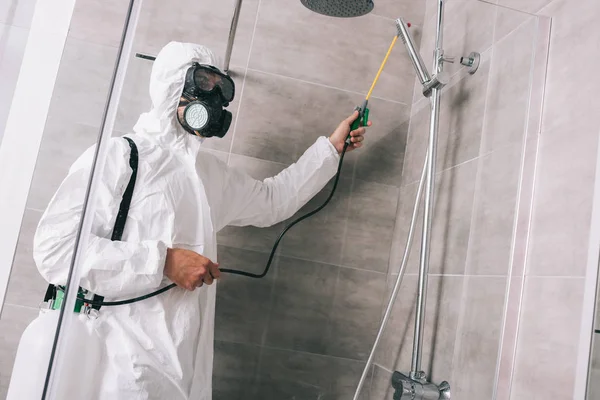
(206, 92)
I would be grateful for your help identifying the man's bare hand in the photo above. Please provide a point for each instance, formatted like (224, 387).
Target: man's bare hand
(189, 270)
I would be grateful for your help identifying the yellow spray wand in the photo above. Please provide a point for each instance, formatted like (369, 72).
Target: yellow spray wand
(363, 112)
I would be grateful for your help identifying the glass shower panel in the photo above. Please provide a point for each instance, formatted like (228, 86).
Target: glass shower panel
(486, 153)
(72, 126)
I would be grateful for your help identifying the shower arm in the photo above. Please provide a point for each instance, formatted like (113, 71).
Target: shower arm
(232, 30)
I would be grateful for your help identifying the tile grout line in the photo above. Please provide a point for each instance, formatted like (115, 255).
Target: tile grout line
(326, 86)
(483, 155)
(237, 117)
(291, 350)
(308, 260)
(21, 306)
(286, 165)
(496, 276)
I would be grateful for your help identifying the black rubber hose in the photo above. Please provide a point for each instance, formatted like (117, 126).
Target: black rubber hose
(234, 271)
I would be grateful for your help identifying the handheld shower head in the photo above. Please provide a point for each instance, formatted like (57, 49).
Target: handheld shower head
(415, 57)
(437, 81)
(340, 8)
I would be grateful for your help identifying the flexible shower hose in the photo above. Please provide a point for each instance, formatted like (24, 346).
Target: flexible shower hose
(235, 271)
(390, 305)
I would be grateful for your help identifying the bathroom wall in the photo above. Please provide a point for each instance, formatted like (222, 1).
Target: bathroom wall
(305, 330)
(486, 154)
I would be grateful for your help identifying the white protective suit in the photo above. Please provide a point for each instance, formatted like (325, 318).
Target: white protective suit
(162, 347)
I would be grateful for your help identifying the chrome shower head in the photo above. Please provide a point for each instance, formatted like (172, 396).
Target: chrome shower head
(340, 8)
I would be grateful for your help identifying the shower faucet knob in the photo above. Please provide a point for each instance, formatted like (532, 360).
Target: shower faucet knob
(471, 61)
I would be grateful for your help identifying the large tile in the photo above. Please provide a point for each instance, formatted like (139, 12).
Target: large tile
(258, 169)
(356, 313)
(287, 375)
(381, 386)
(440, 328)
(468, 26)
(449, 238)
(570, 100)
(563, 203)
(416, 146)
(74, 116)
(12, 324)
(411, 11)
(381, 158)
(204, 22)
(234, 371)
(494, 212)
(509, 88)
(345, 377)
(12, 47)
(345, 53)
(282, 117)
(135, 96)
(17, 12)
(406, 204)
(396, 344)
(62, 143)
(370, 226)
(478, 338)
(243, 304)
(461, 122)
(530, 6)
(302, 302)
(99, 22)
(82, 83)
(322, 237)
(550, 320)
(26, 287)
(508, 19)
(452, 219)
(461, 118)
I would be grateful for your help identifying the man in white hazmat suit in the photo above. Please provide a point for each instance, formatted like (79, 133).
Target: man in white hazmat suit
(162, 347)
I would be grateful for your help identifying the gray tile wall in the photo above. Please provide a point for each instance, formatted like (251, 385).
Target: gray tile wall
(305, 330)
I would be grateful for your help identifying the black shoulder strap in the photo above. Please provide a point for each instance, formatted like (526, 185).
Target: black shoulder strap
(121, 216)
(126, 201)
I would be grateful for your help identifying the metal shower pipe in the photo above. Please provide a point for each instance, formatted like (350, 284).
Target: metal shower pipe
(232, 29)
(438, 65)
